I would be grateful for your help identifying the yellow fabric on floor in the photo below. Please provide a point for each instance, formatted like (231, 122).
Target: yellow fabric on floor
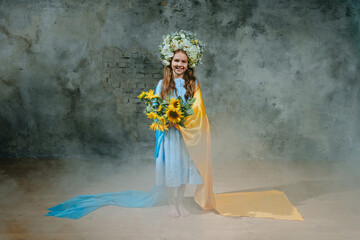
(267, 204)
(197, 138)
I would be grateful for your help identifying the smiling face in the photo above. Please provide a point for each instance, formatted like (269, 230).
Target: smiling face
(179, 64)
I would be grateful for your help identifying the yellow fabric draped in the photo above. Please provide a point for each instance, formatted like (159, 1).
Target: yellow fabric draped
(267, 204)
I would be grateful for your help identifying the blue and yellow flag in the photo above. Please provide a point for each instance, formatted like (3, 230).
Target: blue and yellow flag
(266, 204)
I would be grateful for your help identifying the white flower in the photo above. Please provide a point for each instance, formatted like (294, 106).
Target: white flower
(185, 44)
(167, 52)
(167, 46)
(166, 63)
(168, 57)
(176, 44)
(167, 39)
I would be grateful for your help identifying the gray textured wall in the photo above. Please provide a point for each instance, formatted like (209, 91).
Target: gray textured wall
(279, 78)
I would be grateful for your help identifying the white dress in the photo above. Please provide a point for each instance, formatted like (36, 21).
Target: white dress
(174, 166)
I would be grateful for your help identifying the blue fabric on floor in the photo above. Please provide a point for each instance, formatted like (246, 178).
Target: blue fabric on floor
(82, 205)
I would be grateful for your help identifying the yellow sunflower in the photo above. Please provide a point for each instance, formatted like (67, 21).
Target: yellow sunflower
(141, 94)
(174, 103)
(162, 120)
(150, 94)
(152, 115)
(156, 126)
(163, 127)
(174, 115)
(159, 108)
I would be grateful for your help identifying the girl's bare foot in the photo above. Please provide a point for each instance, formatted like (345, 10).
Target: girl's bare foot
(183, 212)
(173, 212)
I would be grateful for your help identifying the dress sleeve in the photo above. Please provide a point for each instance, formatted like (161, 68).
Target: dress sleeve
(158, 88)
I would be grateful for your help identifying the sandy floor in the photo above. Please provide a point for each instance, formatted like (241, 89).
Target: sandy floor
(327, 195)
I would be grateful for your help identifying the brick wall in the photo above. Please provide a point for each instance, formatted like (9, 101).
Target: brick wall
(125, 74)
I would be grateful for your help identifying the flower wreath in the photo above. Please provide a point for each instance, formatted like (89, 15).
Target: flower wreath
(184, 40)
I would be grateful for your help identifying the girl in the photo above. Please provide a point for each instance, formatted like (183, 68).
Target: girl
(174, 166)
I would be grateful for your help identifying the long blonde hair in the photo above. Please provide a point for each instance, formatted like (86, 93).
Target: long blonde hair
(168, 83)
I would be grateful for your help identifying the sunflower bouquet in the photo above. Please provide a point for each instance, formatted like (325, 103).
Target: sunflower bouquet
(164, 112)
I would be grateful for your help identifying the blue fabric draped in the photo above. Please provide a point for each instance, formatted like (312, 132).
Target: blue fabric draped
(158, 134)
(159, 137)
(82, 205)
